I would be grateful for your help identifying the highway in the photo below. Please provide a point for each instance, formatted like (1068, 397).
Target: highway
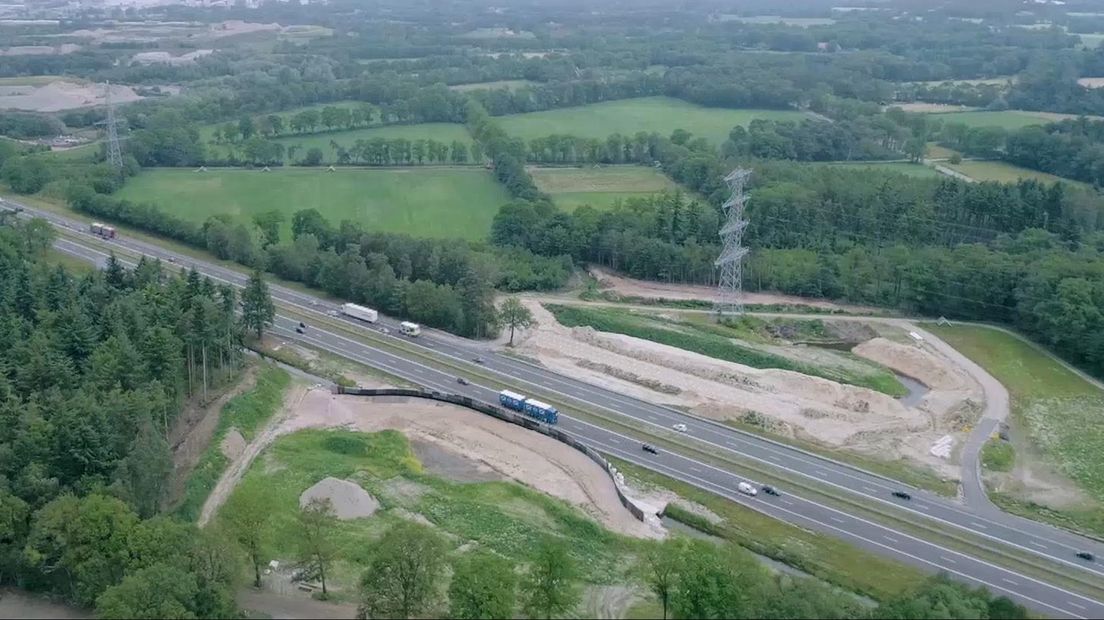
(1029, 536)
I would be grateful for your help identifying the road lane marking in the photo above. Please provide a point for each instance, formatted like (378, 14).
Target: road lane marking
(1037, 544)
(820, 472)
(1009, 581)
(976, 524)
(1082, 607)
(836, 519)
(947, 559)
(869, 490)
(891, 539)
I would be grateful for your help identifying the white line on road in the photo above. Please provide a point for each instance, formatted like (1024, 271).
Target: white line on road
(836, 519)
(869, 490)
(1072, 604)
(891, 539)
(976, 524)
(947, 559)
(1009, 581)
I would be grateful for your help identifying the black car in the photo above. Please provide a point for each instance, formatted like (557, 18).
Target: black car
(298, 330)
(302, 324)
(649, 448)
(901, 495)
(1085, 555)
(461, 380)
(769, 490)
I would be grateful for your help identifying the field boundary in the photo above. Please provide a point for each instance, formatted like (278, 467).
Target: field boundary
(512, 418)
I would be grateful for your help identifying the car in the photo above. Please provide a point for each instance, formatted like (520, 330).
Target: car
(461, 380)
(172, 259)
(769, 490)
(649, 448)
(1085, 555)
(747, 489)
(901, 495)
(302, 324)
(298, 330)
(478, 359)
(680, 428)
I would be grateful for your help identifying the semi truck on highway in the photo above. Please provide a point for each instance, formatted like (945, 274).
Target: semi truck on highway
(98, 229)
(410, 329)
(533, 408)
(360, 312)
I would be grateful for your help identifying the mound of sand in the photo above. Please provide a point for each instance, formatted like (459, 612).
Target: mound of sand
(233, 444)
(916, 362)
(348, 499)
(62, 95)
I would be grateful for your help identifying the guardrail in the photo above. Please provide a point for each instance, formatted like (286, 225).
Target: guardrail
(507, 415)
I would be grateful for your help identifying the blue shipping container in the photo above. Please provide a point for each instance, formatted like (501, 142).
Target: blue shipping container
(533, 408)
(512, 400)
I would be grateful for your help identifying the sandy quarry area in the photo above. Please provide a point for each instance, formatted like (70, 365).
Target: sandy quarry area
(39, 50)
(532, 459)
(149, 58)
(61, 95)
(659, 290)
(787, 402)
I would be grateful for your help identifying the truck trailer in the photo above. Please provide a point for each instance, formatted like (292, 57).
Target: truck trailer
(360, 312)
(98, 229)
(531, 407)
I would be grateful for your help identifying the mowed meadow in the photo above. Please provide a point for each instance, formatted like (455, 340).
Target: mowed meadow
(599, 187)
(629, 116)
(424, 202)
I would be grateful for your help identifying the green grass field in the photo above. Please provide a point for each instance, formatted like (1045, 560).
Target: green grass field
(628, 116)
(507, 84)
(425, 202)
(1003, 172)
(912, 170)
(599, 187)
(1061, 413)
(1008, 119)
(504, 517)
(1091, 40)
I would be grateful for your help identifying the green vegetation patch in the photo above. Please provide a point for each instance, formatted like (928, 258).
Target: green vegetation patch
(507, 84)
(505, 517)
(998, 455)
(715, 341)
(1008, 119)
(1062, 413)
(246, 412)
(912, 170)
(824, 557)
(599, 187)
(628, 116)
(437, 202)
(1003, 172)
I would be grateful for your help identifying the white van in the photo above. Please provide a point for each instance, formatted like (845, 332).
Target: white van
(747, 489)
(410, 329)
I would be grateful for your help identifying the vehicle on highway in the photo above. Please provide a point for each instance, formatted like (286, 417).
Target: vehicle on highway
(680, 428)
(298, 330)
(461, 380)
(649, 448)
(747, 489)
(478, 359)
(172, 259)
(98, 229)
(1085, 555)
(901, 495)
(367, 315)
(531, 407)
(769, 490)
(410, 329)
(302, 324)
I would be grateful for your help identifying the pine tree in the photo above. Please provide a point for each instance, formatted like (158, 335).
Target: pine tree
(258, 310)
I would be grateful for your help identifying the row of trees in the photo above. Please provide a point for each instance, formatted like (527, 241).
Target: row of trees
(94, 369)
(401, 151)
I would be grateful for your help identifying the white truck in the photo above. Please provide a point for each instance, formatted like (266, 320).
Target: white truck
(410, 329)
(360, 312)
(747, 489)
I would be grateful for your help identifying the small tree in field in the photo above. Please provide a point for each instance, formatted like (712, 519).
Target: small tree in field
(515, 315)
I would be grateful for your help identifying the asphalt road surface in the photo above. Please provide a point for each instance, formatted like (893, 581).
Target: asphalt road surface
(1029, 536)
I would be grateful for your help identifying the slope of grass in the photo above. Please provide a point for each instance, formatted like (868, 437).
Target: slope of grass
(246, 412)
(505, 517)
(1008, 119)
(1003, 172)
(1062, 413)
(425, 202)
(912, 170)
(599, 187)
(714, 341)
(628, 116)
(998, 455)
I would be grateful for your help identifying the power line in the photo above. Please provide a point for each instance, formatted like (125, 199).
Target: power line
(730, 288)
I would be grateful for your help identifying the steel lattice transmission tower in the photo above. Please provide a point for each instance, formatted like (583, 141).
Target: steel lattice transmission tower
(730, 288)
(114, 153)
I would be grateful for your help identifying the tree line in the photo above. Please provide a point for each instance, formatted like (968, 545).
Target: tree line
(94, 369)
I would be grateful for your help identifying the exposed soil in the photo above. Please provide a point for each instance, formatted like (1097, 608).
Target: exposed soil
(507, 450)
(233, 444)
(922, 107)
(20, 604)
(608, 601)
(62, 95)
(193, 429)
(451, 465)
(658, 290)
(348, 499)
(265, 604)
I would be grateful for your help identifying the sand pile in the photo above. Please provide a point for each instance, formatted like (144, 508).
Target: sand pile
(348, 499)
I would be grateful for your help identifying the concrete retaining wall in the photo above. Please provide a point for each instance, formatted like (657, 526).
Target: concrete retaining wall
(507, 415)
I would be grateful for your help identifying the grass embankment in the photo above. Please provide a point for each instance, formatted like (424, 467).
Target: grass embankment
(430, 202)
(246, 412)
(910, 169)
(1006, 119)
(824, 557)
(1061, 413)
(715, 341)
(662, 115)
(505, 517)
